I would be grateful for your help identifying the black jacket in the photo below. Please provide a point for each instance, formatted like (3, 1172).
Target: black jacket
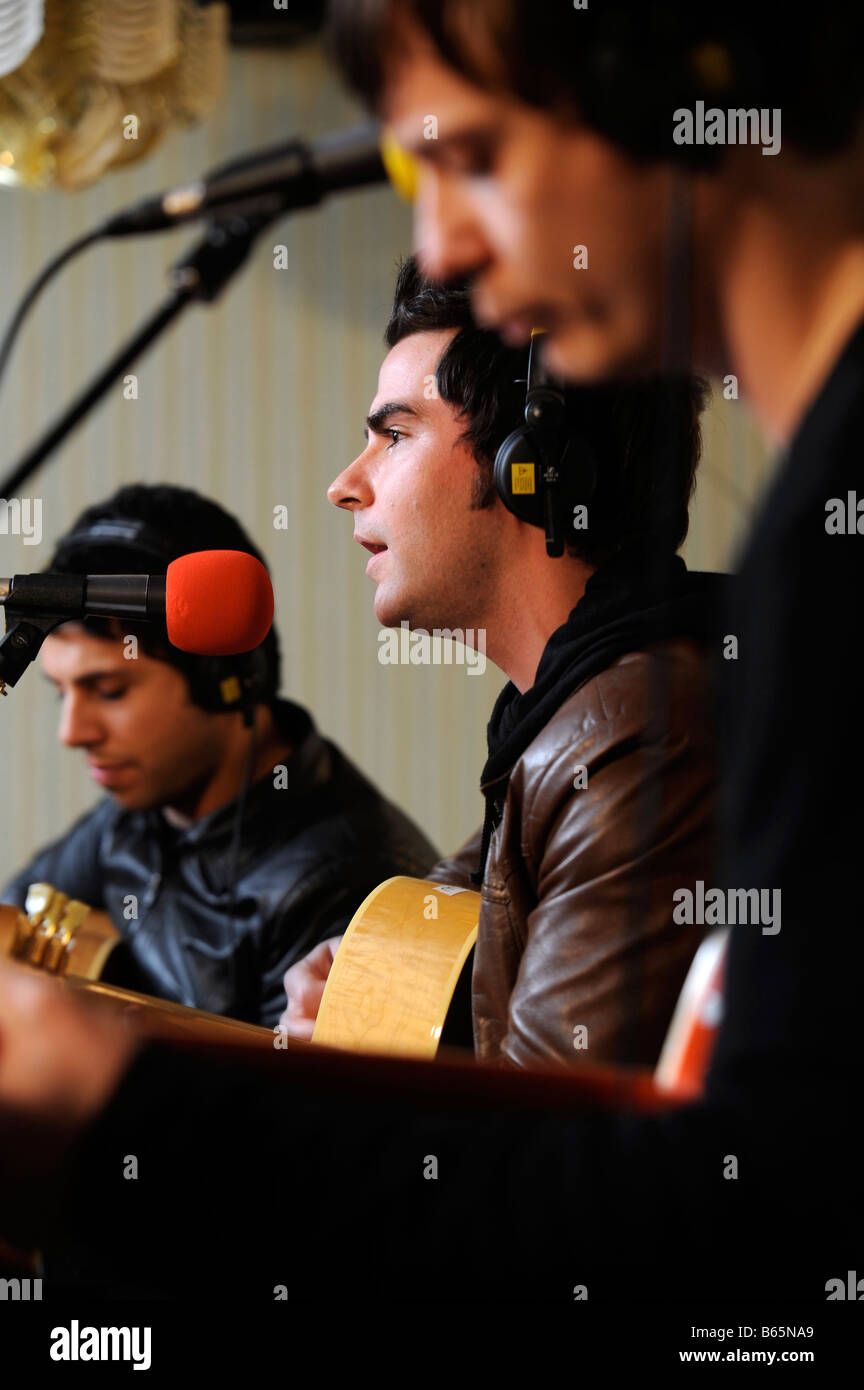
(310, 852)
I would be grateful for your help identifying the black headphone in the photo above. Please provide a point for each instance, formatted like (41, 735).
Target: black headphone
(545, 469)
(216, 683)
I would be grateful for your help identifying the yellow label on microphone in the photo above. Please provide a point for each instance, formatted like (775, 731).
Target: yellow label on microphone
(522, 477)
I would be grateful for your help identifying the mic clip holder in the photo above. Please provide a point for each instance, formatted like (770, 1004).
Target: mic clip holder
(205, 270)
(21, 644)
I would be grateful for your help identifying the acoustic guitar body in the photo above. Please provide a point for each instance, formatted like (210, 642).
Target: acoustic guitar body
(394, 977)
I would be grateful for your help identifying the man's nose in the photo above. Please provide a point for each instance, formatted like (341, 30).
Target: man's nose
(351, 489)
(78, 727)
(448, 236)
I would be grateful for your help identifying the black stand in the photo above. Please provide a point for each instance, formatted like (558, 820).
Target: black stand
(201, 275)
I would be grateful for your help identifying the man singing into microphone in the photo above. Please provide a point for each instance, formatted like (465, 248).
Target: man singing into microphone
(234, 837)
(578, 957)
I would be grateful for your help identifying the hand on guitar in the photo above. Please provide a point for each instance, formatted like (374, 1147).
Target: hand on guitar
(304, 986)
(59, 1059)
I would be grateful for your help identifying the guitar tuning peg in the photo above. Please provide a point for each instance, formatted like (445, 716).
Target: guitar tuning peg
(38, 900)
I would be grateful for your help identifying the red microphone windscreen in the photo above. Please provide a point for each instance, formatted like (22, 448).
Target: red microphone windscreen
(217, 602)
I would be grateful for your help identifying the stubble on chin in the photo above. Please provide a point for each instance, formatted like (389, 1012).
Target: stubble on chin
(395, 610)
(385, 610)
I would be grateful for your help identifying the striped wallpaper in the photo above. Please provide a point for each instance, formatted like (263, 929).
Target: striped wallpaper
(258, 401)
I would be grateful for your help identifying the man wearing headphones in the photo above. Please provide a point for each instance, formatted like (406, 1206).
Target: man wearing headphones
(234, 836)
(556, 539)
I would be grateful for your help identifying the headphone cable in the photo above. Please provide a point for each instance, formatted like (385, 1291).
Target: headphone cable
(237, 830)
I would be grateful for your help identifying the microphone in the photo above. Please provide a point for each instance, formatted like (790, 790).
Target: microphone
(213, 602)
(297, 174)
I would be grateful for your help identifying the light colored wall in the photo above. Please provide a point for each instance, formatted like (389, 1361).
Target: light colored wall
(258, 401)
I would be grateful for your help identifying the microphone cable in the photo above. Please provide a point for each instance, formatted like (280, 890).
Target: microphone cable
(45, 276)
(293, 176)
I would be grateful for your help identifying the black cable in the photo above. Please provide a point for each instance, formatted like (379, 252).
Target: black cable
(45, 276)
(237, 830)
(83, 403)
(200, 275)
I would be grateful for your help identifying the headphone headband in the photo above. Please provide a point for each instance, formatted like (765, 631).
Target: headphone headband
(119, 532)
(537, 371)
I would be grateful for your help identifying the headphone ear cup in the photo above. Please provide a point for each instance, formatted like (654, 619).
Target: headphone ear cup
(207, 677)
(516, 474)
(220, 683)
(256, 673)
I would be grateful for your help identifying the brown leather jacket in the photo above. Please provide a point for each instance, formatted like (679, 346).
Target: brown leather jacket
(576, 922)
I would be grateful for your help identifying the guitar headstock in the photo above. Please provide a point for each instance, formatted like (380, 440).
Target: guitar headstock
(58, 934)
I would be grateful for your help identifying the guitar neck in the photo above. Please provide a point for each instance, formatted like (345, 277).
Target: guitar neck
(164, 1019)
(73, 954)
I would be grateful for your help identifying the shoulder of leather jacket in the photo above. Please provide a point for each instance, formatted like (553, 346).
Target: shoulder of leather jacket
(669, 678)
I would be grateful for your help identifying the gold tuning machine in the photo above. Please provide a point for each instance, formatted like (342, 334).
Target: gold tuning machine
(46, 935)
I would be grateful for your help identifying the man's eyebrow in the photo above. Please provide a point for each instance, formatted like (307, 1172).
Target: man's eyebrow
(479, 136)
(91, 677)
(377, 421)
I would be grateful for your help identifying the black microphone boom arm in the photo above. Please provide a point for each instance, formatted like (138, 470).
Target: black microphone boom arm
(200, 275)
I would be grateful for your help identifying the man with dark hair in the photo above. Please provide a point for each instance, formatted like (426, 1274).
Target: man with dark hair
(234, 837)
(578, 957)
(635, 505)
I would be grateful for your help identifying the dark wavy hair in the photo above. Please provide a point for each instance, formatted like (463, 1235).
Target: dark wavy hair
(179, 521)
(624, 66)
(645, 434)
